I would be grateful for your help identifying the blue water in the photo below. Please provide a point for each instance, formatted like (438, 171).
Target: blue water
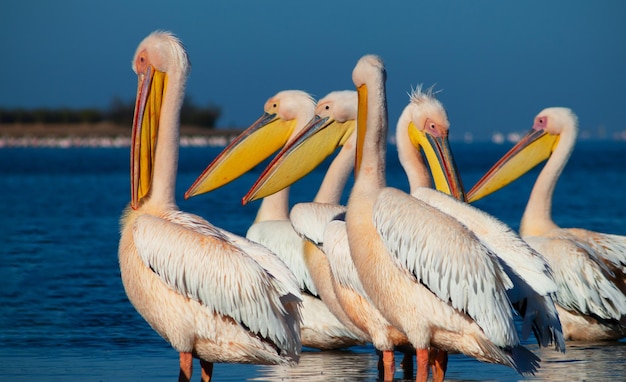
(64, 314)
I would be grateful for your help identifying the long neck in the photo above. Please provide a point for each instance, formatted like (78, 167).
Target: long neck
(274, 207)
(337, 175)
(537, 217)
(166, 155)
(411, 158)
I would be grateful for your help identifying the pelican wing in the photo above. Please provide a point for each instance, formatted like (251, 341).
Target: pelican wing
(280, 237)
(611, 249)
(203, 263)
(309, 220)
(448, 259)
(532, 278)
(498, 237)
(581, 276)
(337, 250)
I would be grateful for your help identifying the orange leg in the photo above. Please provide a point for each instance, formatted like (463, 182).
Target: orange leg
(207, 370)
(186, 366)
(389, 365)
(439, 365)
(422, 365)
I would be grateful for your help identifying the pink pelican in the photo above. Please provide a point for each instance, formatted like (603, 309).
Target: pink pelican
(320, 223)
(212, 295)
(285, 114)
(449, 290)
(421, 124)
(589, 267)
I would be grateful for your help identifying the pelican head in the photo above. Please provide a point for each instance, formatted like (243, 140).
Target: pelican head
(425, 122)
(331, 127)
(535, 147)
(264, 137)
(160, 59)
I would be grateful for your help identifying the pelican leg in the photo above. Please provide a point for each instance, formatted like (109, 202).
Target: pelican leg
(207, 370)
(439, 364)
(186, 367)
(422, 356)
(389, 365)
(407, 365)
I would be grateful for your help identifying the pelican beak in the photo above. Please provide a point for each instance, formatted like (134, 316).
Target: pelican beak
(317, 140)
(251, 147)
(532, 149)
(440, 160)
(361, 126)
(150, 91)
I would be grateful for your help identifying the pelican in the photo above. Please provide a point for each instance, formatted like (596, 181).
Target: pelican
(211, 294)
(588, 266)
(526, 269)
(396, 239)
(320, 222)
(284, 116)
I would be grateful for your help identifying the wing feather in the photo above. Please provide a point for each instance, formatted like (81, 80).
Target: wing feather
(581, 276)
(201, 262)
(532, 279)
(448, 259)
(280, 237)
(309, 220)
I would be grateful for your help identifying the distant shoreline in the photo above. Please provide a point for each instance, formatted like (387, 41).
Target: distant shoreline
(106, 134)
(100, 135)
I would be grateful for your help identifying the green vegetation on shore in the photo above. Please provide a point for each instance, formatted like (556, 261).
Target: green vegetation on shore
(119, 113)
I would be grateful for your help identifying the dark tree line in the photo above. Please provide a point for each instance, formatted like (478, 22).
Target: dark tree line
(119, 112)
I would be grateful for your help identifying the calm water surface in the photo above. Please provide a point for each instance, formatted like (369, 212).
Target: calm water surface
(64, 314)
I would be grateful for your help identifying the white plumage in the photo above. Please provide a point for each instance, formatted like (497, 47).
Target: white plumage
(210, 294)
(588, 267)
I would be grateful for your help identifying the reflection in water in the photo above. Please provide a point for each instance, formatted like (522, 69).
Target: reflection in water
(325, 366)
(602, 361)
(581, 362)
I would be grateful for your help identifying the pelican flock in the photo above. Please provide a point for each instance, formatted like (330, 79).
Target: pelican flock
(589, 267)
(422, 125)
(321, 223)
(422, 272)
(212, 295)
(285, 115)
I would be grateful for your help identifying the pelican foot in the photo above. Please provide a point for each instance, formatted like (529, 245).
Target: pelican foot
(186, 367)
(389, 365)
(439, 364)
(422, 357)
(207, 370)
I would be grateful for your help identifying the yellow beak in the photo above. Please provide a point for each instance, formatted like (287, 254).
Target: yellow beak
(440, 160)
(152, 86)
(251, 147)
(534, 148)
(317, 140)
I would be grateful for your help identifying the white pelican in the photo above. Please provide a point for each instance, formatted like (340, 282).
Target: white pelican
(527, 270)
(424, 270)
(588, 266)
(321, 223)
(285, 114)
(212, 295)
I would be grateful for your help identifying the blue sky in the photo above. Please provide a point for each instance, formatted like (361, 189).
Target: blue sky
(498, 63)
